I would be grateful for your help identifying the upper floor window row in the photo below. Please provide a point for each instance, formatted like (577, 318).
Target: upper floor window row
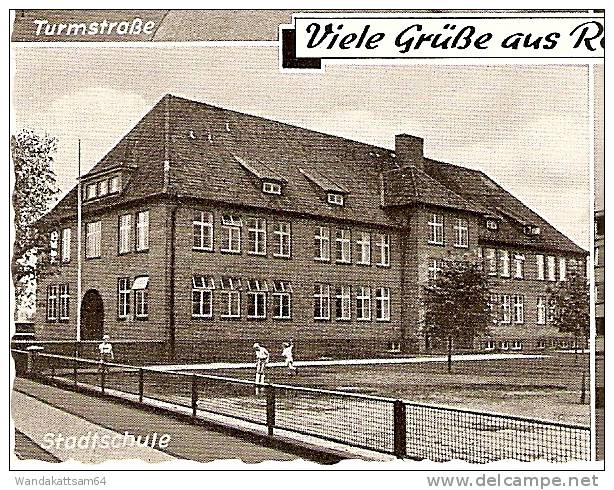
(101, 188)
(504, 263)
(436, 230)
(343, 246)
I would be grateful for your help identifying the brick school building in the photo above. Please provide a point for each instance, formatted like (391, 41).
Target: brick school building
(208, 230)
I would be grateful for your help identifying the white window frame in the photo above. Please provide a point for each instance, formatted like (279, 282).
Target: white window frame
(518, 266)
(202, 286)
(562, 269)
(231, 234)
(103, 188)
(141, 299)
(491, 260)
(551, 263)
(518, 309)
(434, 269)
(541, 308)
(343, 302)
(52, 303)
(436, 229)
(383, 243)
(492, 224)
(114, 184)
(516, 345)
(271, 188)
(541, 267)
(506, 309)
(363, 245)
(489, 345)
(505, 345)
(322, 244)
(335, 198)
(93, 234)
(257, 296)
(363, 303)
(504, 256)
(54, 242)
(64, 302)
(343, 246)
(142, 231)
(382, 304)
(202, 228)
(66, 237)
(125, 232)
(91, 191)
(123, 297)
(283, 239)
(282, 296)
(256, 236)
(321, 301)
(230, 297)
(461, 232)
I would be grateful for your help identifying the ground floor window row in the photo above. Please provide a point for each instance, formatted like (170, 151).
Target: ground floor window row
(517, 344)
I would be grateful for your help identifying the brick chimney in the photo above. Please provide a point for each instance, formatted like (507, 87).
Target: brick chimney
(409, 150)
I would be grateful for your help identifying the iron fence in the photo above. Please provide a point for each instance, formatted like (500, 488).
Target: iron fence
(386, 425)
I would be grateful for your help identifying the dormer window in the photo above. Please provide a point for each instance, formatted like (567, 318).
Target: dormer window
(114, 184)
(271, 188)
(492, 224)
(532, 230)
(335, 199)
(103, 188)
(90, 192)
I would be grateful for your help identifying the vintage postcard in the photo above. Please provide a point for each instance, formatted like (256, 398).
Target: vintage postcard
(307, 239)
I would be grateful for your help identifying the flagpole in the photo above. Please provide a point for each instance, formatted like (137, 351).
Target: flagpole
(79, 197)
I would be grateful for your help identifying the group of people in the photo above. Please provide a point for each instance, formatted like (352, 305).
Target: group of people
(263, 356)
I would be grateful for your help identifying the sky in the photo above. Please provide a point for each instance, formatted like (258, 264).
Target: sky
(524, 126)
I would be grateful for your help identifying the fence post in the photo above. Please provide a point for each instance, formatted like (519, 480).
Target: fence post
(400, 429)
(270, 408)
(140, 385)
(75, 370)
(102, 373)
(194, 395)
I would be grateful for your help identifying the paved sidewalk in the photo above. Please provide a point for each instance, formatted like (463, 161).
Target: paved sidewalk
(346, 362)
(72, 413)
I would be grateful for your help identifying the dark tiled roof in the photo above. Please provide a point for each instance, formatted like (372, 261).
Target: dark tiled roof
(205, 146)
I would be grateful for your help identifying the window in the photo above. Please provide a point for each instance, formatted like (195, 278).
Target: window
(505, 345)
(139, 287)
(363, 248)
(142, 231)
(382, 304)
(541, 310)
(334, 198)
(551, 268)
(489, 344)
(64, 301)
(202, 297)
(343, 303)
(66, 245)
(256, 236)
(256, 298)
(518, 308)
(282, 300)
(125, 230)
(90, 191)
(506, 308)
(123, 297)
(516, 345)
(518, 266)
(540, 267)
(394, 346)
(203, 230)
(114, 184)
(436, 229)
(493, 303)
(505, 263)
(383, 244)
(231, 234)
(52, 303)
(103, 188)
(562, 269)
(491, 261)
(363, 303)
(322, 243)
(461, 233)
(92, 239)
(321, 301)
(492, 224)
(434, 269)
(597, 256)
(343, 246)
(541, 344)
(271, 188)
(230, 297)
(282, 238)
(54, 239)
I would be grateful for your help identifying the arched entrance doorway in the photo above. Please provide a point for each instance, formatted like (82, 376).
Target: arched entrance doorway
(92, 316)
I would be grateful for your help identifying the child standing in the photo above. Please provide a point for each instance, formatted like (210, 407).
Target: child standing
(262, 358)
(289, 356)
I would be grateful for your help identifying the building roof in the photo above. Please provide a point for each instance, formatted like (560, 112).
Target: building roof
(191, 149)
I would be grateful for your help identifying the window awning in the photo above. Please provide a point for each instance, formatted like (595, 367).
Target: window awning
(140, 282)
(257, 285)
(282, 286)
(230, 283)
(231, 221)
(203, 282)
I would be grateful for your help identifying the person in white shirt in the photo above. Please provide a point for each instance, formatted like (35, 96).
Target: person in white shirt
(105, 348)
(288, 356)
(262, 358)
